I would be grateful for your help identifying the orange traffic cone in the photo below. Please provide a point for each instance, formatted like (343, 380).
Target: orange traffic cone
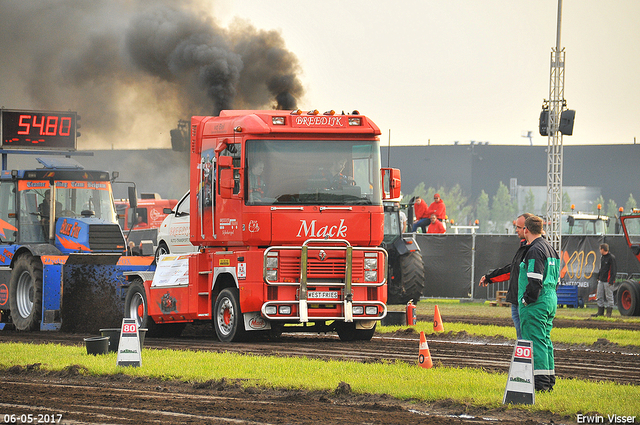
(437, 321)
(425, 357)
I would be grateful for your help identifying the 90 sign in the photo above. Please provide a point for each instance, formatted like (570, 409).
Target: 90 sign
(39, 130)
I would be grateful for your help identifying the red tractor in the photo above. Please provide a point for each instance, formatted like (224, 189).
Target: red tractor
(628, 296)
(287, 212)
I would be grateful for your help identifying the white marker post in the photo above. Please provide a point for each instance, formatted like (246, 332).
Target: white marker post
(520, 384)
(129, 348)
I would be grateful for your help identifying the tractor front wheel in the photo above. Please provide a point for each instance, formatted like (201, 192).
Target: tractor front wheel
(25, 293)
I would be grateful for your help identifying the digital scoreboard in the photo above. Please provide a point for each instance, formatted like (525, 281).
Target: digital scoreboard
(38, 129)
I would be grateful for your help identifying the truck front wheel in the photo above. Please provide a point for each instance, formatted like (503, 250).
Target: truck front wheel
(25, 289)
(347, 332)
(227, 317)
(628, 298)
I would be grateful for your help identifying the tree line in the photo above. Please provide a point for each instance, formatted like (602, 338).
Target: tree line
(496, 214)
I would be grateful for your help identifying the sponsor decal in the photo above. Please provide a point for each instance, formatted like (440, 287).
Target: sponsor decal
(167, 304)
(242, 270)
(224, 262)
(4, 294)
(228, 226)
(253, 226)
(71, 229)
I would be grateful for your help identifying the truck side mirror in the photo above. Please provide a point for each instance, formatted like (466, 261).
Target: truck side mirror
(133, 197)
(226, 183)
(225, 168)
(391, 183)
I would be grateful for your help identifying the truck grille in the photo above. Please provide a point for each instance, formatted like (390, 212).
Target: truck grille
(106, 237)
(331, 268)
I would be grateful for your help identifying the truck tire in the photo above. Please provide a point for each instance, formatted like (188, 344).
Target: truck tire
(411, 282)
(227, 317)
(347, 332)
(25, 293)
(628, 298)
(135, 306)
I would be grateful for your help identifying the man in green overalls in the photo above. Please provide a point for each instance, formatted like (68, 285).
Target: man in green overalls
(539, 276)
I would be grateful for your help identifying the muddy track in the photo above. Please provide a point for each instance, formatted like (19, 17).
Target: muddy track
(70, 397)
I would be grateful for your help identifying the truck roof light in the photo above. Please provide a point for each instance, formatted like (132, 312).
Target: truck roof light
(355, 121)
(238, 129)
(331, 112)
(355, 112)
(277, 120)
(296, 112)
(314, 112)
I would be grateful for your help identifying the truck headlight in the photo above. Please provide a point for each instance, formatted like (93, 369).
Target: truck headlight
(371, 263)
(272, 275)
(284, 309)
(358, 309)
(371, 310)
(270, 310)
(370, 275)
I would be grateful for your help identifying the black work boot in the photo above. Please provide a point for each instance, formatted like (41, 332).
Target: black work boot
(599, 313)
(609, 311)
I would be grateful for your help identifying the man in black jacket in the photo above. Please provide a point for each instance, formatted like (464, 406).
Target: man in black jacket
(606, 279)
(510, 272)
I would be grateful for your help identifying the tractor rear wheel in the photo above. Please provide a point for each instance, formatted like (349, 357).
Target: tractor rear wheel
(412, 277)
(628, 298)
(25, 293)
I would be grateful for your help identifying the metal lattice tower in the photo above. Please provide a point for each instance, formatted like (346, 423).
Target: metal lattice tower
(554, 144)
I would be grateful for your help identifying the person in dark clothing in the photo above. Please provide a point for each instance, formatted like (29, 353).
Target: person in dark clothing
(510, 273)
(606, 279)
(537, 281)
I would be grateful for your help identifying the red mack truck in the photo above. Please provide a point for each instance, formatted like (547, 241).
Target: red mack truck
(286, 209)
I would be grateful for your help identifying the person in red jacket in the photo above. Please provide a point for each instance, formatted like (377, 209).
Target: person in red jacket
(421, 216)
(436, 225)
(438, 208)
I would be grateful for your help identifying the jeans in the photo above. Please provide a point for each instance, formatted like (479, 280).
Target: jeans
(604, 295)
(515, 316)
(423, 223)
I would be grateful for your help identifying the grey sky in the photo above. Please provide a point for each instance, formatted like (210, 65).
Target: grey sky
(461, 70)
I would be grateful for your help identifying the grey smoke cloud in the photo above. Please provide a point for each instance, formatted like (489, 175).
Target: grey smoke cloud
(133, 68)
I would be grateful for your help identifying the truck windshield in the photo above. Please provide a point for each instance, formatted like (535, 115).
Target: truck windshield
(313, 172)
(85, 198)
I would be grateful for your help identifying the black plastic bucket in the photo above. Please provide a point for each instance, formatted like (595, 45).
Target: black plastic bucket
(97, 345)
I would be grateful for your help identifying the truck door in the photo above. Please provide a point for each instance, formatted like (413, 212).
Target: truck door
(229, 193)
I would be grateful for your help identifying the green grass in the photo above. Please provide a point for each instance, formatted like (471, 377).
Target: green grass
(401, 380)
(562, 335)
(454, 307)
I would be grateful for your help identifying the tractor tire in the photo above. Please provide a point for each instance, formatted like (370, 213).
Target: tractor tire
(628, 298)
(25, 293)
(411, 282)
(228, 321)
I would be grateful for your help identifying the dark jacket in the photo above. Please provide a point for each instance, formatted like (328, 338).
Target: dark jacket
(510, 272)
(608, 269)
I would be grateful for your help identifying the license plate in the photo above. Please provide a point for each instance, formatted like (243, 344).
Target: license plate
(314, 295)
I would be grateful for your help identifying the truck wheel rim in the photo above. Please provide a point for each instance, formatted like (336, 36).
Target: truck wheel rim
(626, 300)
(24, 294)
(136, 309)
(226, 316)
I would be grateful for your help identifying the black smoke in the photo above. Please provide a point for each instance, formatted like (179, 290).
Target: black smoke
(133, 68)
